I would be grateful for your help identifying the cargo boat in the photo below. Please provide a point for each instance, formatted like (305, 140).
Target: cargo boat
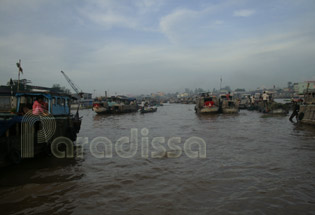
(228, 104)
(207, 103)
(307, 109)
(115, 105)
(273, 108)
(24, 134)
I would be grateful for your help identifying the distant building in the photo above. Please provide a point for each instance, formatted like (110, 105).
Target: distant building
(158, 94)
(301, 88)
(182, 95)
(296, 87)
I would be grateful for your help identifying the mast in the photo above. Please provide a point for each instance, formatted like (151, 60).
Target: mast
(18, 64)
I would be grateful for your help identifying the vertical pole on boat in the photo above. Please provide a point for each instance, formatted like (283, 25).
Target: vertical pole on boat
(11, 85)
(18, 86)
(220, 82)
(18, 64)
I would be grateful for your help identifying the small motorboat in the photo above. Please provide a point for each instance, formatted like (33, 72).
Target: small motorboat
(148, 109)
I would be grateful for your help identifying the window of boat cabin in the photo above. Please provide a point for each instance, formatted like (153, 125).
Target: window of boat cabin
(59, 105)
(26, 103)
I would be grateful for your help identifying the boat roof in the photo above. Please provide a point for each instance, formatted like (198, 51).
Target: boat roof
(48, 95)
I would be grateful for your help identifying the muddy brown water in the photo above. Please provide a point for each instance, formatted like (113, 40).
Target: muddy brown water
(254, 164)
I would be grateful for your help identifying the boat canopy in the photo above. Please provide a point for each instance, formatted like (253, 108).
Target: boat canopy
(48, 96)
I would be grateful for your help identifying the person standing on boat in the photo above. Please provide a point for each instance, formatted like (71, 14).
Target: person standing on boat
(265, 98)
(142, 103)
(252, 99)
(295, 113)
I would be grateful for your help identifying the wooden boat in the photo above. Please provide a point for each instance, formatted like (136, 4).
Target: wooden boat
(244, 101)
(207, 103)
(307, 109)
(148, 109)
(115, 105)
(273, 107)
(24, 133)
(228, 104)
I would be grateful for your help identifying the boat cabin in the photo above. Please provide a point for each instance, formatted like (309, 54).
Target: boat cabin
(57, 104)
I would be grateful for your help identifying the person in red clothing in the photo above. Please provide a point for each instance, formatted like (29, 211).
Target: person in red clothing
(209, 103)
(39, 106)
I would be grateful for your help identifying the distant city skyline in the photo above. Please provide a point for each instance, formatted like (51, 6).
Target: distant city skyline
(147, 46)
(290, 87)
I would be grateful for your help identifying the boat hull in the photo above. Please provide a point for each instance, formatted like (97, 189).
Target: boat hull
(115, 109)
(24, 139)
(101, 110)
(149, 110)
(208, 110)
(307, 114)
(230, 110)
(278, 111)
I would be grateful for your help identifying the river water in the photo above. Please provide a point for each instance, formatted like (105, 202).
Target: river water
(254, 164)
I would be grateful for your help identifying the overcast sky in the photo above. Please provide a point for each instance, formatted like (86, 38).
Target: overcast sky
(143, 46)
